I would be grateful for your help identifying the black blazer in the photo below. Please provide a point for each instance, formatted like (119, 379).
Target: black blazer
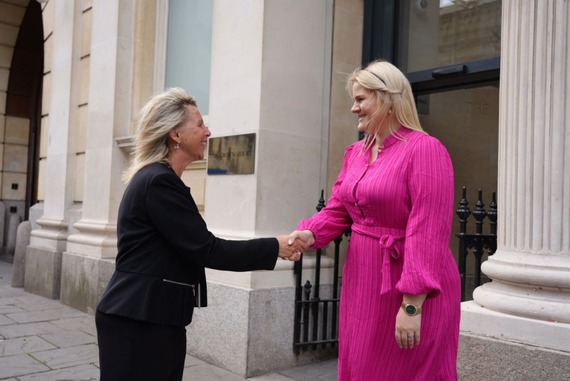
(164, 246)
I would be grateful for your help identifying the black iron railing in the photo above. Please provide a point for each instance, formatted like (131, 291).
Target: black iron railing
(316, 317)
(478, 243)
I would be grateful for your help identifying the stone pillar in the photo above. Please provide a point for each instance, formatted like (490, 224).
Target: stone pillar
(528, 300)
(270, 76)
(89, 259)
(43, 258)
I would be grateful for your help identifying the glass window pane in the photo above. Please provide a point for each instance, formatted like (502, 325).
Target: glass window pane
(466, 121)
(435, 33)
(189, 47)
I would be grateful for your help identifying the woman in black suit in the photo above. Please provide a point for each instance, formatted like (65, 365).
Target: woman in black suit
(163, 247)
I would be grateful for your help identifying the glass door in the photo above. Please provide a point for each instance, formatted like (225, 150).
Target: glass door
(450, 52)
(466, 122)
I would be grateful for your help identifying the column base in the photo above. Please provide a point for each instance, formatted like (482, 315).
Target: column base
(94, 238)
(478, 320)
(253, 332)
(531, 285)
(43, 272)
(83, 280)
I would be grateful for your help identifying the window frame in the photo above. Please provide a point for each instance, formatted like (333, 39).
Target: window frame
(380, 41)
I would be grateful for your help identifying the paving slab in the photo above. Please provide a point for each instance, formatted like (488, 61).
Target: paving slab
(69, 338)
(204, 372)
(84, 323)
(44, 340)
(69, 357)
(22, 345)
(324, 371)
(19, 365)
(30, 329)
(9, 308)
(76, 373)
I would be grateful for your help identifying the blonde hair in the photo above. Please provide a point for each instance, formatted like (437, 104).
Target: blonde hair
(157, 118)
(393, 92)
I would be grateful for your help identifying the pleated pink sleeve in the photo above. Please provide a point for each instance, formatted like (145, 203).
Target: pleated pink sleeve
(334, 219)
(428, 229)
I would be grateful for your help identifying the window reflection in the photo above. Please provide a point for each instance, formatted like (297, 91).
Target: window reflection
(466, 121)
(435, 33)
(189, 48)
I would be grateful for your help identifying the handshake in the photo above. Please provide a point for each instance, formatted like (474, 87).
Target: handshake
(292, 246)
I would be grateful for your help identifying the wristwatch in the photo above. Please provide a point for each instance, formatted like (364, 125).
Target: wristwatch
(410, 309)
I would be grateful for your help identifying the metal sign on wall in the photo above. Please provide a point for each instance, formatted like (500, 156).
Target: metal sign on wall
(231, 155)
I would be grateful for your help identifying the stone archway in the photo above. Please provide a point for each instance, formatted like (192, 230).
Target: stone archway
(22, 62)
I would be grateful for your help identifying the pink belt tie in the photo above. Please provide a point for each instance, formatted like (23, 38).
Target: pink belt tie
(391, 240)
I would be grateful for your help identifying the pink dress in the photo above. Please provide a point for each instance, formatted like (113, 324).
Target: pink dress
(400, 209)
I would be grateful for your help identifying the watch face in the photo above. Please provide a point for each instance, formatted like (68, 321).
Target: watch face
(411, 310)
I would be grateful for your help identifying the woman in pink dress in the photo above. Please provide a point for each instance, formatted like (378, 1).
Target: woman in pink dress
(400, 299)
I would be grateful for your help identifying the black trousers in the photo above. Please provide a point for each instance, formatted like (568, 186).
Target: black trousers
(132, 350)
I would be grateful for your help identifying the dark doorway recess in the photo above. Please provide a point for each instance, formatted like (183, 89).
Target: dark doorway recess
(23, 98)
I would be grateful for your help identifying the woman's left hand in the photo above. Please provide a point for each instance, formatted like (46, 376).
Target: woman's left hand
(290, 251)
(408, 329)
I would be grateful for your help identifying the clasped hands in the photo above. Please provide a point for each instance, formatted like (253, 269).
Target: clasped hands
(292, 246)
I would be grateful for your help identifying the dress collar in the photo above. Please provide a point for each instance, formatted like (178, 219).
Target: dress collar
(400, 134)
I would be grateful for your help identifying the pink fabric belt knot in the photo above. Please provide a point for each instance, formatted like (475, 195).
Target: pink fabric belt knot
(391, 241)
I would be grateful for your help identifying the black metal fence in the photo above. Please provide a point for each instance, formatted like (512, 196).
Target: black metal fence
(478, 242)
(316, 317)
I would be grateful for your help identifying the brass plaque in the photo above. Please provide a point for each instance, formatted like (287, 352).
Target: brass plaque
(231, 155)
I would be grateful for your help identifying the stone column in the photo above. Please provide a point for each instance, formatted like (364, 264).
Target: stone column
(43, 262)
(89, 258)
(528, 299)
(270, 76)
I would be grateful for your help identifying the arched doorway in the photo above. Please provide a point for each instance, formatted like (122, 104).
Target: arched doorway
(23, 60)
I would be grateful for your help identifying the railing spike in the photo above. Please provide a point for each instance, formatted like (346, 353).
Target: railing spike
(321, 203)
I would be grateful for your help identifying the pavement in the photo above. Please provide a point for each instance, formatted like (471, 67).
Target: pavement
(43, 340)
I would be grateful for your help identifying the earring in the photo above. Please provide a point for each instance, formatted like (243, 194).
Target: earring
(177, 145)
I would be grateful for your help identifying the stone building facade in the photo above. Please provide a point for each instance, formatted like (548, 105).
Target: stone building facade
(73, 75)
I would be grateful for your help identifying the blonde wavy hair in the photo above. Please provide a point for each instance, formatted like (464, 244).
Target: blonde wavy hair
(157, 118)
(393, 92)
